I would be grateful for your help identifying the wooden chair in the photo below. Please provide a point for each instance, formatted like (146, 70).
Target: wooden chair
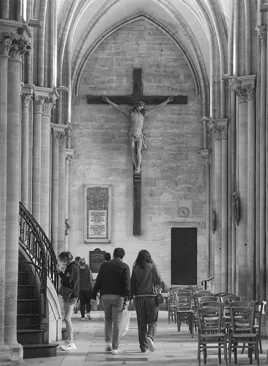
(184, 311)
(211, 332)
(242, 333)
(259, 312)
(172, 306)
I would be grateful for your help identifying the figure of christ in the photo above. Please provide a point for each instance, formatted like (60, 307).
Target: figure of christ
(136, 115)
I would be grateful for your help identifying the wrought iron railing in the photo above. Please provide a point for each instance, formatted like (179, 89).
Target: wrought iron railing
(38, 248)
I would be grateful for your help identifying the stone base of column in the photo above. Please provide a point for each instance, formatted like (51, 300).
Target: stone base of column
(10, 353)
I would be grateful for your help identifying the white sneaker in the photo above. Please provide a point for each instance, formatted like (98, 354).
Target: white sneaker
(69, 347)
(150, 343)
(115, 351)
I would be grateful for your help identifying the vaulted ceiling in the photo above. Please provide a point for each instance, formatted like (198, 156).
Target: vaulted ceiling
(198, 27)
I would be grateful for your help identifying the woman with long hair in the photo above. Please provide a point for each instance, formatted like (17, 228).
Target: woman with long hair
(69, 290)
(144, 280)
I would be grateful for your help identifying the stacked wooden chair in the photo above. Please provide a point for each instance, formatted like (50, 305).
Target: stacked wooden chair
(242, 333)
(211, 331)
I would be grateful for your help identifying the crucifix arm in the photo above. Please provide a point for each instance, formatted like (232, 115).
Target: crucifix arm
(116, 106)
(152, 109)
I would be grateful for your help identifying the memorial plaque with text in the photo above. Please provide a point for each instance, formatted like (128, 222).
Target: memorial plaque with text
(97, 213)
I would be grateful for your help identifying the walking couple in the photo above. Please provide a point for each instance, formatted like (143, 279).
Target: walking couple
(116, 288)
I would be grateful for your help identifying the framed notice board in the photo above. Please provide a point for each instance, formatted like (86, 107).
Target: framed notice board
(97, 224)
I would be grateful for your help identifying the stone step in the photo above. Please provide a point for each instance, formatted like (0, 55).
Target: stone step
(40, 350)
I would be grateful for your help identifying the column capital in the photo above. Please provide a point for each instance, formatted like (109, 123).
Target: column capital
(261, 31)
(69, 154)
(59, 130)
(26, 93)
(220, 128)
(244, 86)
(5, 44)
(20, 44)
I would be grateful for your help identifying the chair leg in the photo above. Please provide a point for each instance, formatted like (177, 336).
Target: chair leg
(205, 354)
(199, 353)
(230, 352)
(219, 353)
(250, 353)
(257, 354)
(260, 344)
(225, 352)
(235, 353)
(178, 323)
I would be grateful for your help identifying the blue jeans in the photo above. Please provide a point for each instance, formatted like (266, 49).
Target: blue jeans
(113, 306)
(68, 307)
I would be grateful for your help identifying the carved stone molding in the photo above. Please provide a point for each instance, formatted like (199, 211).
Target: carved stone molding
(26, 94)
(59, 130)
(19, 45)
(5, 44)
(261, 31)
(220, 128)
(69, 154)
(244, 87)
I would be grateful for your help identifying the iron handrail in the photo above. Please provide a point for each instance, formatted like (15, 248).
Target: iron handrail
(38, 247)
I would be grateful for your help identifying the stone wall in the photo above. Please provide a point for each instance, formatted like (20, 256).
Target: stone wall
(173, 172)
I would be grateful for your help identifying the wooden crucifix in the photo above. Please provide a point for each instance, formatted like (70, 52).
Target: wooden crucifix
(136, 115)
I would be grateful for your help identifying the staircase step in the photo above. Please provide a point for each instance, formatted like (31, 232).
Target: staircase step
(28, 321)
(40, 350)
(30, 336)
(26, 290)
(28, 306)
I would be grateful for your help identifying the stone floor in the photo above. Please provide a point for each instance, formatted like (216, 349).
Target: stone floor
(173, 348)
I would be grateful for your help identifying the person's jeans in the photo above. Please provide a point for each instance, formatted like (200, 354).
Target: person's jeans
(113, 306)
(68, 307)
(84, 297)
(147, 314)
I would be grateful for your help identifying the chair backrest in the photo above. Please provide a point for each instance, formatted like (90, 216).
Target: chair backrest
(184, 301)
(230, 298)
(210, 319)
(242, 317)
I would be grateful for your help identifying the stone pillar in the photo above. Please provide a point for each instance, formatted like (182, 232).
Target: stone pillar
(221, 195)
(27, 93)
(251, 190)
(242, 187)
(69, 155)
(222, 125)
(37, 120)
(58, 134)
(62, 194)
(261, 164)
(5, 43)
(45, 166)
(217, 203)
(18, 47)
(4, 9)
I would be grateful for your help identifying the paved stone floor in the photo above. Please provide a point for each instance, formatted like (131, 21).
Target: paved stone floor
(173, 348)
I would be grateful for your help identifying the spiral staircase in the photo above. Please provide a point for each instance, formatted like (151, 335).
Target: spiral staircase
(39, 314)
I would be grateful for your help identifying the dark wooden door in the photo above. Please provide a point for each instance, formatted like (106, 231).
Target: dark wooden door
(183, 256)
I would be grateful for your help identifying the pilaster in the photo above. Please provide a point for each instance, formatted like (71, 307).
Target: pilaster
(27, 96)
(5, 43)
(57, 140)
(19, 45)
(244, 87)
(49, 103)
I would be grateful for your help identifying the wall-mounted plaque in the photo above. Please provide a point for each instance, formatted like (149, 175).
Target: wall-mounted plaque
(97, 214)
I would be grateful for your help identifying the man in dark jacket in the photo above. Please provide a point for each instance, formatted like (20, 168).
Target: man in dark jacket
(113, 283)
